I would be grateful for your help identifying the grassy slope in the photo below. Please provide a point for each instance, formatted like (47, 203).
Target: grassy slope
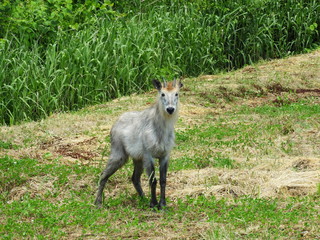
(246, 164)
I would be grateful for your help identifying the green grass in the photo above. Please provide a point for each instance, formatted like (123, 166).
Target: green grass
(246, 128)
(110, 57)
(245, 166)
(47, 199)
(54, 217)
(302, 110)
(203, 160)
(7, 145)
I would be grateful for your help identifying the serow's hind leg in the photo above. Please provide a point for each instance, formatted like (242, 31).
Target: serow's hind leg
(112, 166)
(136, 177)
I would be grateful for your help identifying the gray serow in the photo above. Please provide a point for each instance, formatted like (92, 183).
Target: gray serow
(143, 136)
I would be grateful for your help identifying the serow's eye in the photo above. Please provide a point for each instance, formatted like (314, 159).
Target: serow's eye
(162, 94)
(177, 94)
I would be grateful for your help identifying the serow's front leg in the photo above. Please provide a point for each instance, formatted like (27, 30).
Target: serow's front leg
(152, 182)
(163, 182)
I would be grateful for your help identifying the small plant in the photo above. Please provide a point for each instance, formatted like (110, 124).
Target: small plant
(224, 162)
(7, 145)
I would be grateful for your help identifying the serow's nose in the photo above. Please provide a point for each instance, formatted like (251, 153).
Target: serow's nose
(170, 110)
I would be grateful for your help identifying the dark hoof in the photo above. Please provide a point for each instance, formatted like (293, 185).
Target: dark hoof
(98, 206)
(162, 205)
(153, 204)
(98, 203)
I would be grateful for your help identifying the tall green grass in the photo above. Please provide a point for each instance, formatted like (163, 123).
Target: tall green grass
(113, 57)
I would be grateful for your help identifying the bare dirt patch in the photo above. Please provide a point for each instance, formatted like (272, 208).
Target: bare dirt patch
(81, 148)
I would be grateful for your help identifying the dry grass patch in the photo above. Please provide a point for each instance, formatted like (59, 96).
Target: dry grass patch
(243, 139)
(294, 177)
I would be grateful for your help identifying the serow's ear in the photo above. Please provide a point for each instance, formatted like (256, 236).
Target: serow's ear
(157, 84)
(180, 82)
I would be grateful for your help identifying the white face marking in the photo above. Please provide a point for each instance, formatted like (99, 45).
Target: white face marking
(169, 100)
(168, 95)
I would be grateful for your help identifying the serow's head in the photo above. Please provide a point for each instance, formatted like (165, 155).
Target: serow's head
(168, 95)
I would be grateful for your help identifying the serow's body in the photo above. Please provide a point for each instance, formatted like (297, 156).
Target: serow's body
(144, 136)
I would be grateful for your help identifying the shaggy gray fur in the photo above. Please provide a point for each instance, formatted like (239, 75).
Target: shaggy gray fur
(143, 136)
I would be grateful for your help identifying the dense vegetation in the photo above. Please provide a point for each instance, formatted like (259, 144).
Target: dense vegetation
(63, 55)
